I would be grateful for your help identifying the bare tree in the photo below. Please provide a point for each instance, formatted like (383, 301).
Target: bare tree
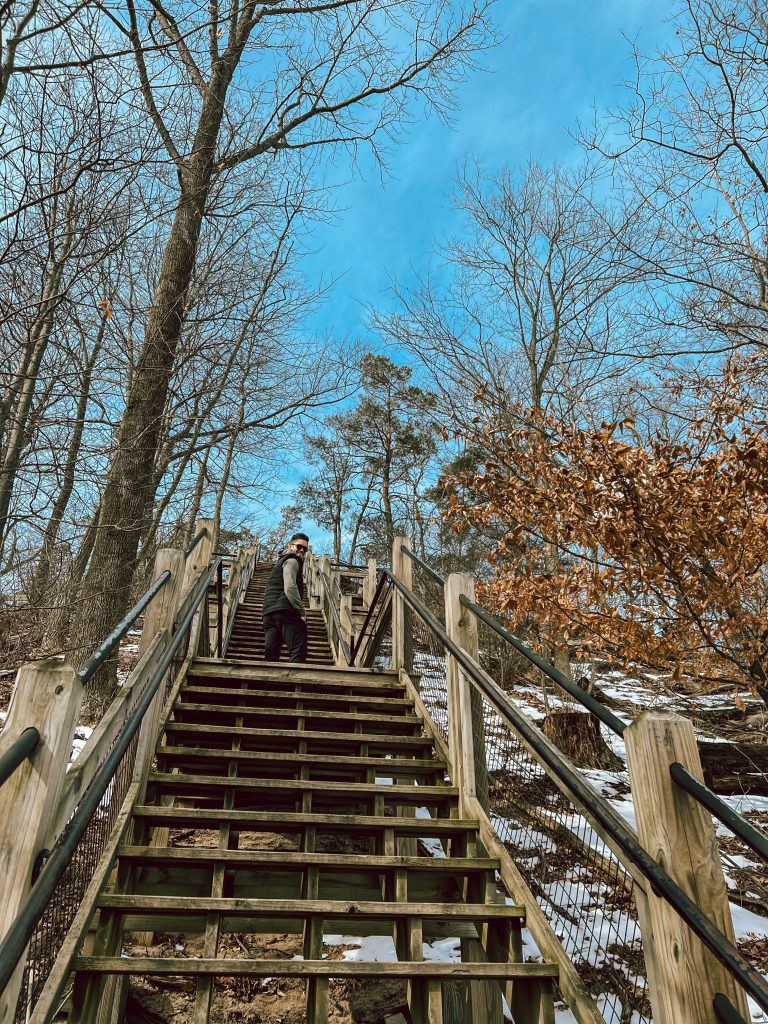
(694, 155)
(533, 314)
(338, 74)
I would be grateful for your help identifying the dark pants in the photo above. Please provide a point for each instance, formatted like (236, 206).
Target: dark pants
(288, 626)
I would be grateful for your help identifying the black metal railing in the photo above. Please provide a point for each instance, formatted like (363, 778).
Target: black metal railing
(333, 619)
(107, 646)
(25, 744)
(726, 1012)
(195, 541)
(596, 810)
(732, 820)
(372, 619)
(44, 920)
(739, 825)
(599, 710)
(434, 576)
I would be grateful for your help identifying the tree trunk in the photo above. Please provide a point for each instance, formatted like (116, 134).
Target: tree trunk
(129, 493)
(358, 524)
(64, 598)
(41, 579)
(735, 768)
(197, 497)
(21, 403)
(577, 735)
(223, 483)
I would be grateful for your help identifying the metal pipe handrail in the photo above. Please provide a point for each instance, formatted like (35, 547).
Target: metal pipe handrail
(108, 645)
(599, 710)
(326, 585)
(15, 942)
(381, 583)
(195, 541)
(725, 1011)
(25, 744)
(734, 821)
(246, 571)
(436, 577)
(745, 830)
(219, 606)
(723, 949)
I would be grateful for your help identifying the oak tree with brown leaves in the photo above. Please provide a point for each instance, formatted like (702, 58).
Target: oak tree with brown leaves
(661, 542)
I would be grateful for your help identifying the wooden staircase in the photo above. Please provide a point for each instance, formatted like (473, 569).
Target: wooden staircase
(306, 801)
(247, 640)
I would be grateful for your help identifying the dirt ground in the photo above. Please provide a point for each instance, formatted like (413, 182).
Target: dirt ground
(256, 1000)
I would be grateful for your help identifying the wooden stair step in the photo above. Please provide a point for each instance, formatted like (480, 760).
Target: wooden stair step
(410, 721)
(301, 860)
(312, 968)
(392, 765)
(351, 910)
(296, 822)
(388, 743)
(421, 795)
(292, 672)
(248, 693)
(291, 916)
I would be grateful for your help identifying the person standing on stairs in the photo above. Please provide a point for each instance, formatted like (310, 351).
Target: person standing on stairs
(283, 613)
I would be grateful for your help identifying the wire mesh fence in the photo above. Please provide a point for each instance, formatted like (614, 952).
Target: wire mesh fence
(429, 672)
(429, 590)
(67, 896)
(65, 901)
(427, 656)
(583, 889)
(329, 594)
(382, 656)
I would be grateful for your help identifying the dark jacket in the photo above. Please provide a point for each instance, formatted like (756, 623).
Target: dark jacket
(275, 598)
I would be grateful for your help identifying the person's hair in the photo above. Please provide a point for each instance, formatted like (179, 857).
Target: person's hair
(299, 536)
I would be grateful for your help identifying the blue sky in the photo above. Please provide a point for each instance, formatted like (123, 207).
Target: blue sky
(557, 62)
(559, 59)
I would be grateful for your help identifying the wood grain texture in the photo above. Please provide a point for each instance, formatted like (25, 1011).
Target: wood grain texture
(47, 696)
(678, 833)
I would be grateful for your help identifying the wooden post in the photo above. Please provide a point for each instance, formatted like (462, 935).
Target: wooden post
(47, 696)
(678, 832)
(311, 583)
(347, 623)
(402, 616)
(465, 705)
(467, 749)
(159, 616)
(200, 558)
(369, 585)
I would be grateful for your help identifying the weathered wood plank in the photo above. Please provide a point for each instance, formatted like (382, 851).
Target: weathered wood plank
(678, 833)
(47, 697)
(358, 911)
(287, 821)
(252, 694)
(427, 794)
(372, 739)
(416, 766)
(310, 968)
(302, 859)
(182, 706)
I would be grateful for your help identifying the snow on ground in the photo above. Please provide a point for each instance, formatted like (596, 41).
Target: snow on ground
(600, 925)
(82, 735)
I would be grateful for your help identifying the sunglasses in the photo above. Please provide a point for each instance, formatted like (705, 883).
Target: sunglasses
(301, 547)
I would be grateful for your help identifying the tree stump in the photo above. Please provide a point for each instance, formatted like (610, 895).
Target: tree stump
(577, 735)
